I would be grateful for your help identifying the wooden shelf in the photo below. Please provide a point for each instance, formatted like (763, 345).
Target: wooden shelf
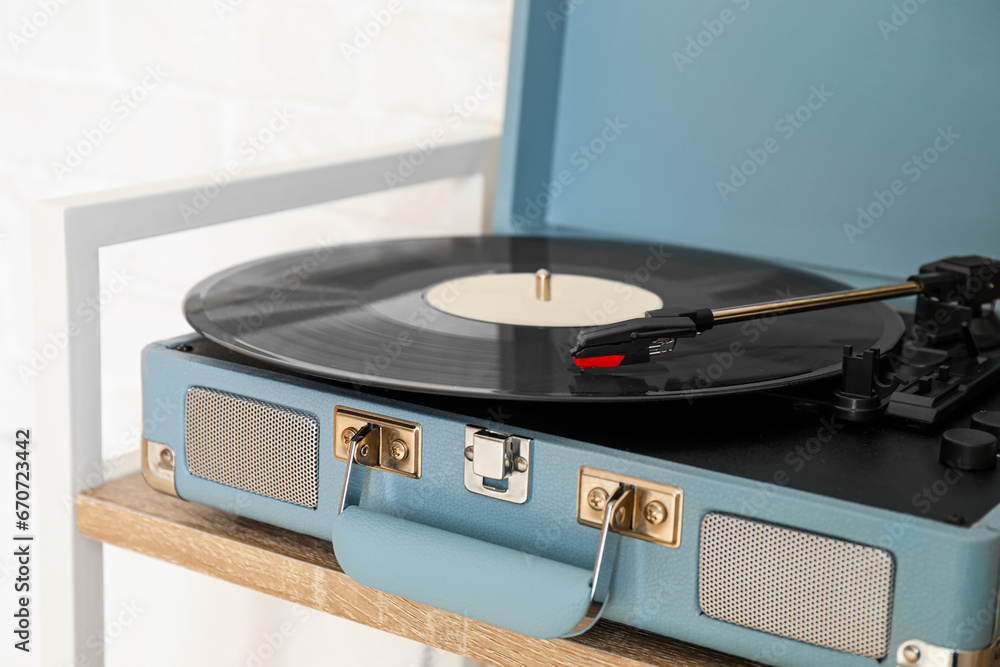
(302, 569)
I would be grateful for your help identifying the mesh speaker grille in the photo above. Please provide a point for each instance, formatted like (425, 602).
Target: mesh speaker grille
(251, 445)
(798, 585)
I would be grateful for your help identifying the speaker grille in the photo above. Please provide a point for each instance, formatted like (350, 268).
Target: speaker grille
(251, 445)
(798, 585)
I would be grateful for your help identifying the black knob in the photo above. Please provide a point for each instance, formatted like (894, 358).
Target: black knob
(969, 449)
(988, 421)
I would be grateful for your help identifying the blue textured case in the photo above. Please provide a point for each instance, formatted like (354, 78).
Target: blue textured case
(858, 137)
(941, 571)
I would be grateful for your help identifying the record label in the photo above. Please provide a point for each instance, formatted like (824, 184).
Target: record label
(542, 299)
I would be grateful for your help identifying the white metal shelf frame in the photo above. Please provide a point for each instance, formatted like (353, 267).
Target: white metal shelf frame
(67, 235)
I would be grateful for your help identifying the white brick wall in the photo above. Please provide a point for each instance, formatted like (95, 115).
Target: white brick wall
(224, 74)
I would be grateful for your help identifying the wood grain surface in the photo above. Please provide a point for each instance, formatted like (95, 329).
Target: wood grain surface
(302, 569)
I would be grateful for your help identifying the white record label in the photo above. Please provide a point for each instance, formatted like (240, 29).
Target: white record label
(519, 298)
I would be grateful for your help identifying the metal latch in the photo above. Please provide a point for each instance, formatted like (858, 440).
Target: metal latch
(392, 445)
(497, 465)
(653, 513)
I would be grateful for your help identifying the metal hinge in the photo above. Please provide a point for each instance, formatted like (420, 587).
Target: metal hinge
(915, 653)
(158, 463)
(653, 514)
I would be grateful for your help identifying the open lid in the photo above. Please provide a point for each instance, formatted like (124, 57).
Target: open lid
(857, 134)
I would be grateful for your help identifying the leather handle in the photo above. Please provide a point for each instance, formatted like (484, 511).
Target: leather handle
(485, 582)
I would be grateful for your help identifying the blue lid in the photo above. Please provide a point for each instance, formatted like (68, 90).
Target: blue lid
(857, 134)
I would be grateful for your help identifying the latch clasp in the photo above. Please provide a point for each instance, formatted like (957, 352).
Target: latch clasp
(497, 465)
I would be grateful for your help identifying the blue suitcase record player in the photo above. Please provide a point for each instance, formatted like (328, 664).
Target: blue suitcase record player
(638, 399)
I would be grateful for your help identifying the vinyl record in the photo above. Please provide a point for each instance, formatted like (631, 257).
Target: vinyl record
(435, 315)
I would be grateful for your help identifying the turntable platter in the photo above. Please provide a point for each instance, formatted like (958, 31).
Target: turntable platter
(383, 314)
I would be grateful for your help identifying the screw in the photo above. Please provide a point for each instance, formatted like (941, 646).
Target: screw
(468, 453)
(347, 435)
(521, 463)
(597, 498)
(398, 450)
(167, 457)
(363, 451)
(655, 512)
(911, 653)
(620, 517)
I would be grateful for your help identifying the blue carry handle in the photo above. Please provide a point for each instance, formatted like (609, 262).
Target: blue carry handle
(486, 582)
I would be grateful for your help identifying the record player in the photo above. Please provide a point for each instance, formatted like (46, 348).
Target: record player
(614, 406)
